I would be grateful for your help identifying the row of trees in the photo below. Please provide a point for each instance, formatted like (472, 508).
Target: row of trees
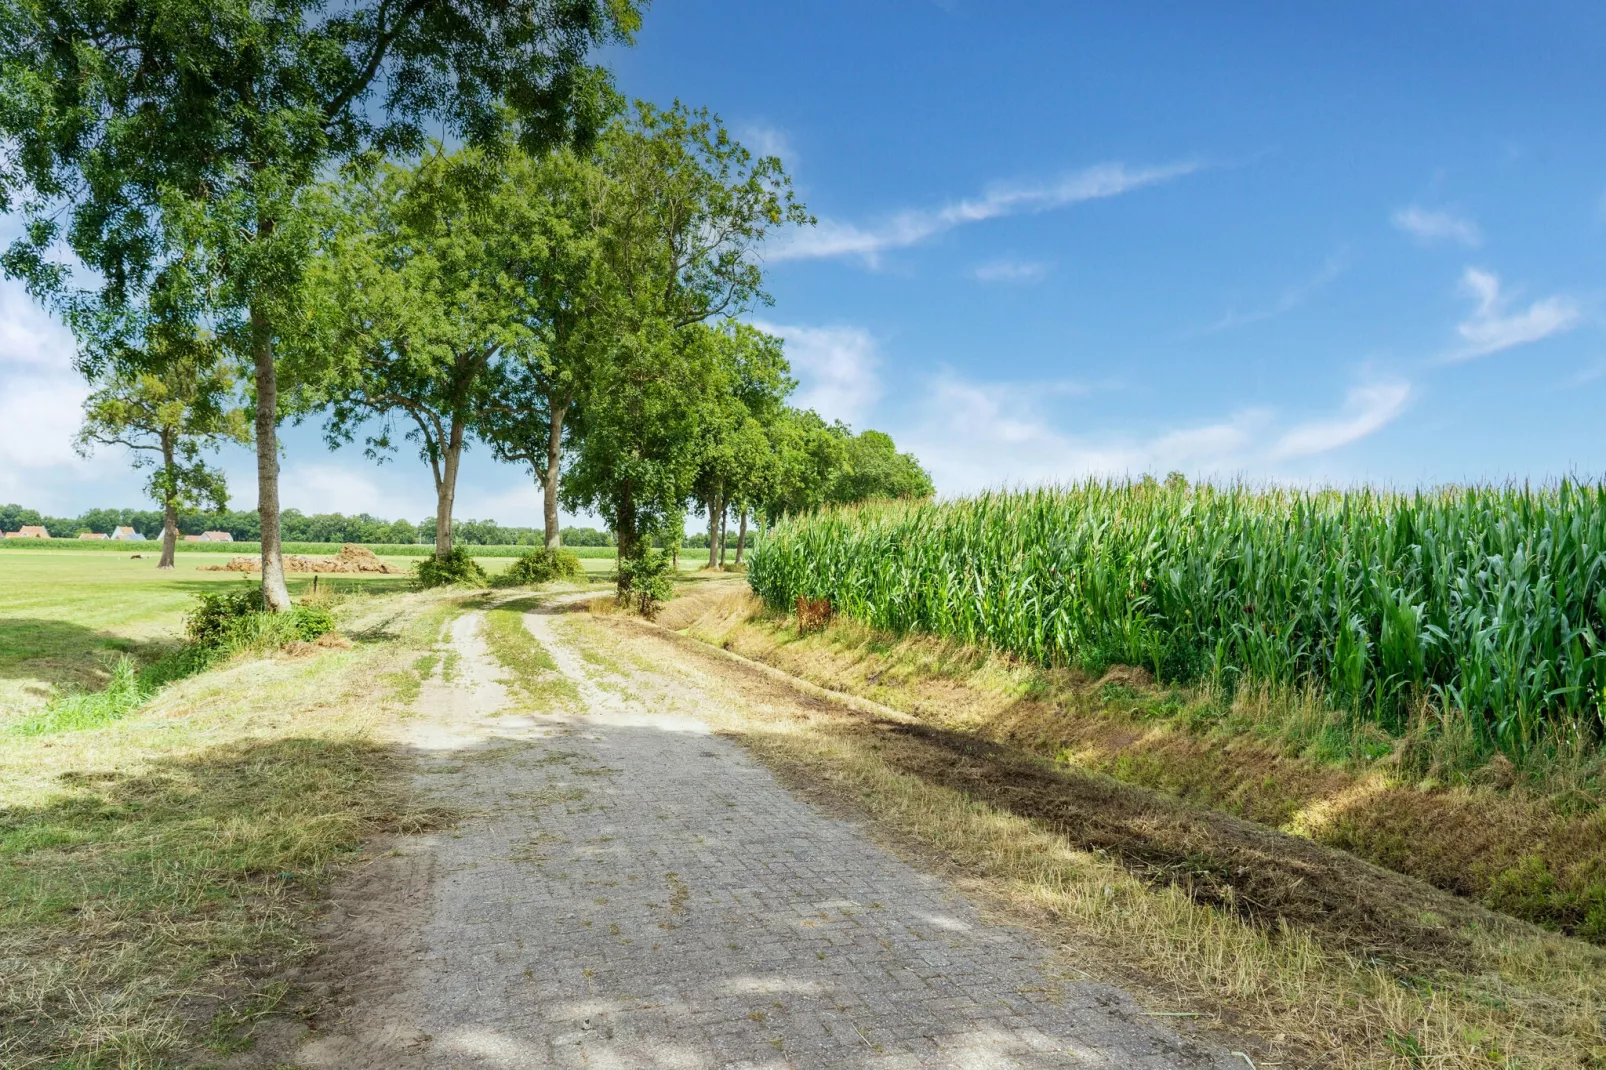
(565, 286)
(295, 526)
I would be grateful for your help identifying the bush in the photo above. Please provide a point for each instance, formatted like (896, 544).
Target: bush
(235, 620)
(542, 566)
(644, 582)
(456, 569)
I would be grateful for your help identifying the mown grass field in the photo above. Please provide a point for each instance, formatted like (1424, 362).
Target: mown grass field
(384, 549)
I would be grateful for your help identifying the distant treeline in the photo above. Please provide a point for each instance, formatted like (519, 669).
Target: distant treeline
(295, 526)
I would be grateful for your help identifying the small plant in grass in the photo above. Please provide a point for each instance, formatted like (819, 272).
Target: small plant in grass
(541, 566)
(455, 569)
(644, 582)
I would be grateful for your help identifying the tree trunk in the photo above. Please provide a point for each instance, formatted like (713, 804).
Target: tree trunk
(169, 504)
(275, 596)
(624, 530)
(741, 536)
(713, 527)
(724, 508)
(549, 485)
(446, 492)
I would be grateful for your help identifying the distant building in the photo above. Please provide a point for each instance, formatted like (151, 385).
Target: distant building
(196, 538)
(93, 535)
(127, 534)
(29, 531)
(217, 536)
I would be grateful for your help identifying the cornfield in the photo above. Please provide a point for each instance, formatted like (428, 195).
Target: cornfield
(1489, 602)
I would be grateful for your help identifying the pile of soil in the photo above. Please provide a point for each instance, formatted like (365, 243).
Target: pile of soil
(350, 559)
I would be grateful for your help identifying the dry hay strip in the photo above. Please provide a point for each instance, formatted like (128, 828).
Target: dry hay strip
(351, 560)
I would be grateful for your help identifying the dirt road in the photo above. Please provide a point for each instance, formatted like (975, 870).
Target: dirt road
(630, 889)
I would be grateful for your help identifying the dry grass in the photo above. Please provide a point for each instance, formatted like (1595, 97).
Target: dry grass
(157, 873)
(1536, 851)
(1510, 995)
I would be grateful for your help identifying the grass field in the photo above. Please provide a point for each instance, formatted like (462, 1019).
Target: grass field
(383, 549)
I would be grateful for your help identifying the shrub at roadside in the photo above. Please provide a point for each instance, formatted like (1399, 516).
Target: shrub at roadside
(644, 582)
(456, 569)
(235, 620)
(541, 566)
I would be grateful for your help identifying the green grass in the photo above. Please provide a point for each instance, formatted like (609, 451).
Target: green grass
(534, 673)
(1481, 610)
(66, 619)
(162, 840)
(384, 549)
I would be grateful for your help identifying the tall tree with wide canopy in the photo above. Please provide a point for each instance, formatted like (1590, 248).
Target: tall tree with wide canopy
(684, 211)
(550, 218)
(411, 313)
(130, 122)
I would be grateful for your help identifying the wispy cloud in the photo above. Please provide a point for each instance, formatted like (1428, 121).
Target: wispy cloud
(1010, 438)
(1366, 409)
(837, 369)
(1010, 270)
(1491, 328)
(1291, 298)
(765, 140)
(1430, 226)
(831, 238)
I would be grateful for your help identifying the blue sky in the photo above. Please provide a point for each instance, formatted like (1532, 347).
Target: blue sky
(1313, 243)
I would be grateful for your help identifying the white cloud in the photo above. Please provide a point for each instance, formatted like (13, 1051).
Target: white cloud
(1491, 329)
(763, 139)
(1291, 299)
(1427, 227)
(911, 226)
(973, 435)
(1366, 409)
(837, 369)
(1008, 270)
(41, 401)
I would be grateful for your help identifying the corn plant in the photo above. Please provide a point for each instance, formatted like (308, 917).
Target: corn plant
(1489, 601)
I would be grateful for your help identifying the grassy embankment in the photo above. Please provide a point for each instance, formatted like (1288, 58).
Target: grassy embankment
(1414, 680)
(157, 872)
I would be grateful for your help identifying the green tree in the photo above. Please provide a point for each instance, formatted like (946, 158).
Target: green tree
(805, 456)
(873, 468)
(734, 456)
(684, 210)
(411, 315)
(550, 215)
(169, 414)
(137, 127)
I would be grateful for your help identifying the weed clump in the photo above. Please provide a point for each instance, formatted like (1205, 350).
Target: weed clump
(232, 621)
(455, 569)
(541, 566)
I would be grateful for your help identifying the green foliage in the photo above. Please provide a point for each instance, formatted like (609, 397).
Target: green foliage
(542, 566)
(455, 569)
(874, 469)
(1489, 603)
(123, 693)
(645, 582)
(229, 621)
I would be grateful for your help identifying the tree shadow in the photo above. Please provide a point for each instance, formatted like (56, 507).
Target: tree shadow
(246, 829)
(63, 654)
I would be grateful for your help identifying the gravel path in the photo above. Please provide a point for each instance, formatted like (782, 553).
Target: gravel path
(635, 891)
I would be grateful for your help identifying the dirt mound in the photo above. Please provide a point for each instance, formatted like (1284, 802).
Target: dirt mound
(350, 560)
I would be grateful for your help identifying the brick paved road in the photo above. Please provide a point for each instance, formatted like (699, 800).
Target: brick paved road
(640, 893)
